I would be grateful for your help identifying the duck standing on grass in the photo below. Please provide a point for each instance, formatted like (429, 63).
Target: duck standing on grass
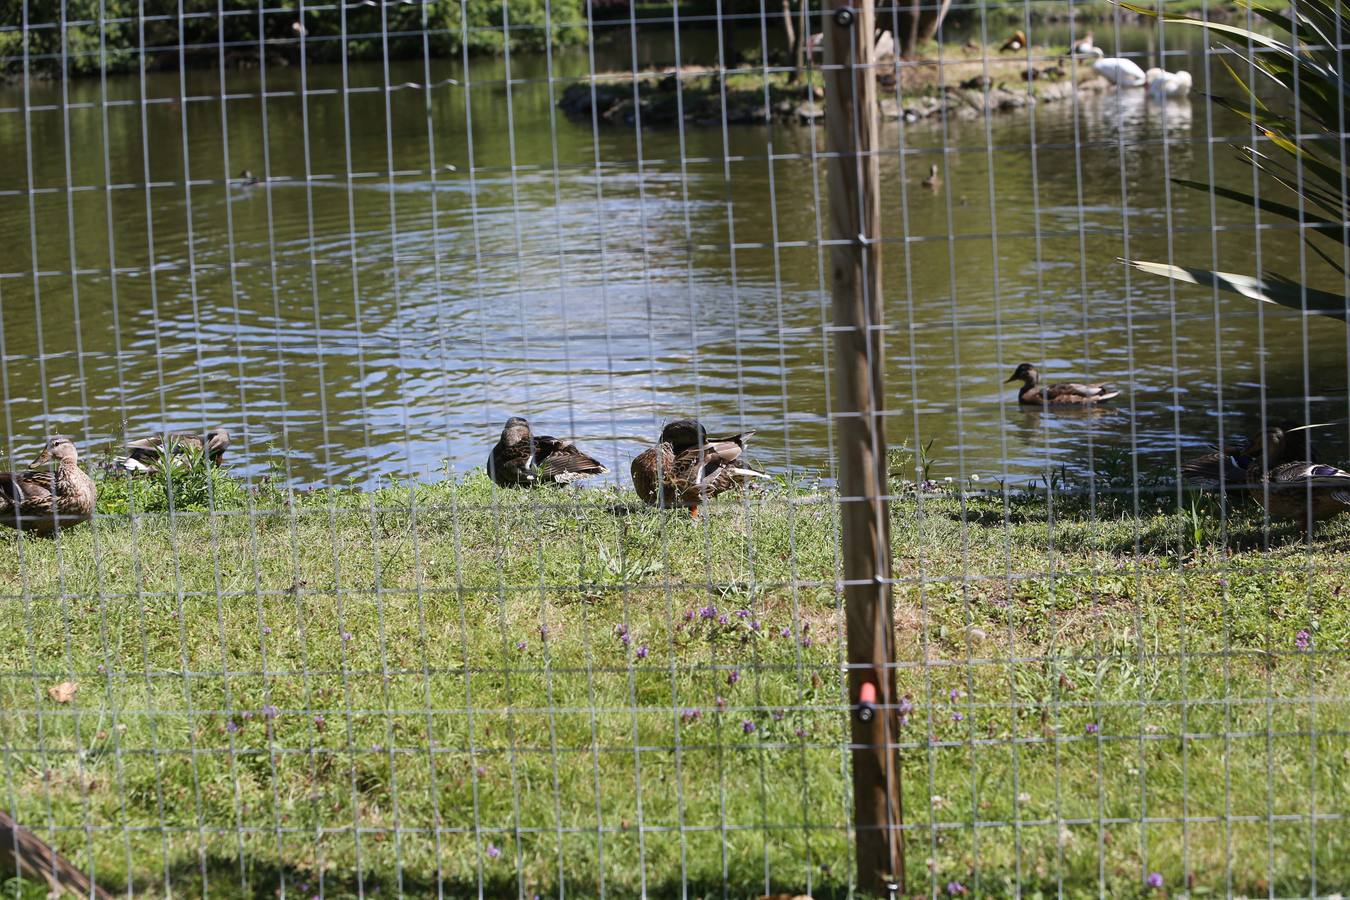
(524, 459)
(144, 454)
(1303, 491)
(685, 468)
(934, 181)
(1069, 393)
(46, 498)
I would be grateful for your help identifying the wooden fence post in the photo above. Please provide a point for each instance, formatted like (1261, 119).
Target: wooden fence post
(851, 135)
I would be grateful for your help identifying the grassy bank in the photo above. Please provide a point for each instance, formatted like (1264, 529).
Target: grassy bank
(448, 683)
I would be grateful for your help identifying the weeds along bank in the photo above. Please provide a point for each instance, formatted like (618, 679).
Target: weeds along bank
(452, 682)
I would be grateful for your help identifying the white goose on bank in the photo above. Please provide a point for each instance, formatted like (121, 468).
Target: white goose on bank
(1167, 85)
(1119, 71)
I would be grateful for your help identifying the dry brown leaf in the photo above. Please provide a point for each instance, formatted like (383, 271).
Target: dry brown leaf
(63, 692)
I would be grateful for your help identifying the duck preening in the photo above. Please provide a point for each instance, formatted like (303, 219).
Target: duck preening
(1167, 85)
(524, 459)
(1016, 41)
(1225, 467)
(1300, 490)
(686, 468)
(1119, 71)
(1085, 47)
(53, 493)
(1069, 393)
(146, 454)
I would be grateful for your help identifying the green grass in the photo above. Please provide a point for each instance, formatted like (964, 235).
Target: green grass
(463, 648)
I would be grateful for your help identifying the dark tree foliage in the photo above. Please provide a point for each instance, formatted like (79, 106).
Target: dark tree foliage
(113, 33)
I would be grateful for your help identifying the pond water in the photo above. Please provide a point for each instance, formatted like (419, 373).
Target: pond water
(423, 263)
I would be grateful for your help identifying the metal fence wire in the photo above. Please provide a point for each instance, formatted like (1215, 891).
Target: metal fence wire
(924, 481)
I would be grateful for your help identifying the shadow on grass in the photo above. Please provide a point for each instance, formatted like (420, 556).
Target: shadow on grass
(223, 879)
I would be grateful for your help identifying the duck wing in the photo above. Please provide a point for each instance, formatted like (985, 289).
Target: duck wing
(1074, 392)
(1318, 476)
(512, 465)
(561, 462)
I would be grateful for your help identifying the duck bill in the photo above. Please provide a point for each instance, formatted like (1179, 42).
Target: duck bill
(1012, 379)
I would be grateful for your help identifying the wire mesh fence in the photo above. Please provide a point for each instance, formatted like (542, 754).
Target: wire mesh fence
(325, 620)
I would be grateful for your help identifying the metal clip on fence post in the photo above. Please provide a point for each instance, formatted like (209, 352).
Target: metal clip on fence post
(844, 17)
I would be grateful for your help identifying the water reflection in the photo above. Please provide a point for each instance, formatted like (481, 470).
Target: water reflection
(388, 296)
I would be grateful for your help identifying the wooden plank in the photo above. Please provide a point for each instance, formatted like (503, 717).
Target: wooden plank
(851, 137)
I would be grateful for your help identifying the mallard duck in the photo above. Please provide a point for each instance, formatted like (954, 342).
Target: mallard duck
(524, 459)
(1298, 489)
(1226, 467)
(1069, 393)
(685, 468)
(934, 180)
(43, 500)
(144, 455)
(1016, 41)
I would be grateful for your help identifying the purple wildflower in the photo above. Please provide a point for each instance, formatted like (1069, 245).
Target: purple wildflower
(754, 624)
(231, 727)
(733, 676)
(708, 612)
(955, 888)
(641, 652)
(1154, 880)
(626, 639)
(906, 705)
(621, 629)
(346, 636)
(743, 613)
(267, 629)
(778, 715)
(747, 726)
(954, 695)
(246, 714)
(806, 642)
(493, 851)
(721, 702)
(1092, 728)
(689, 714)
(269, 711)
(543, 632)
(480, 771)
(786, 632)
(1302, 640)
(722, 619)
(958, 716)
(688, 615)
(319, 722)
(800, 732)
(102, 668)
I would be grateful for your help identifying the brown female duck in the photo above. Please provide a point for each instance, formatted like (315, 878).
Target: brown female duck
(1300, 490)
(524, 459)
(146, 451)
(1069, 393)
(44, 500)
(1226, 467)
(685, 468)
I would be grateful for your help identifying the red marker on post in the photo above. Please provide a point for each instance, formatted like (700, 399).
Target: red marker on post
(867, 701)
